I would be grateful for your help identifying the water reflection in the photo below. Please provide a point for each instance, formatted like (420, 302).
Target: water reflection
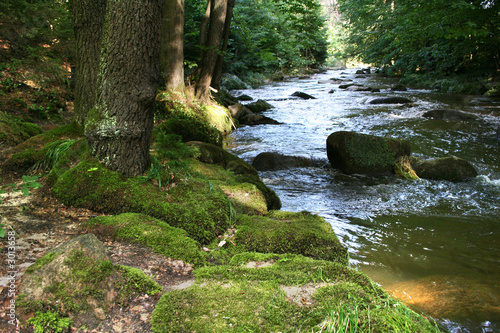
(434, 241)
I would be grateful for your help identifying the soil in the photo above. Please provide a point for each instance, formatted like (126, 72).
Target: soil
(42, 223)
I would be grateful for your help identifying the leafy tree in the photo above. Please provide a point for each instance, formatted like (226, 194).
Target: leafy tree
(441, 36)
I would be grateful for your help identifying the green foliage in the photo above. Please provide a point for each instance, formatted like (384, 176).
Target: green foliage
(49, 321)
(442, 36)
(266, 36)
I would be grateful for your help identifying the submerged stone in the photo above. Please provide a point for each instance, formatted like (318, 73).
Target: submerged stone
(391, 100)
(450, 115)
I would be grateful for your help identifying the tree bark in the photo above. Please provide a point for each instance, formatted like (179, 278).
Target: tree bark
(220, 59)
(212, 47)
(88, 21)
(119, 126)
(172, 45)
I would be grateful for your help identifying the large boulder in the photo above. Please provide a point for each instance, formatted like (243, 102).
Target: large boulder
(364, 154)
(77, 281)
(276, 161)
(446, 168)
(450, 115)
(246, 116)
(391, 100)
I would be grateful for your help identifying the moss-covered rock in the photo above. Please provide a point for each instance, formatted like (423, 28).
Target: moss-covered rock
(287, 232)
(364, 154)
(282, 293)
(447, 168)
(191, 130)
(19, 159)
(162, 238)
(192, 204)
(77, 280)
(240, 173)
(13, 130)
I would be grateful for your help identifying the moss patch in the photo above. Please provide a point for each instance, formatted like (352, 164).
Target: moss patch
(26, 155)
(162, 238)
(77, 280)
(193, 205)
(287, 232)
(236, 298)
(13, 130)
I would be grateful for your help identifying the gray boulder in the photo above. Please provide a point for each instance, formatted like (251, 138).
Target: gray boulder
(77, 280)
(259, 106)
(450, 115)
(447, 168)
(391, 100)
(276, 161)
(364, 154)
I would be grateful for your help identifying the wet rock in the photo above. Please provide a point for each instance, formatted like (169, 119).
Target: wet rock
(259, 106)
(446, 168)
(345, 86)
(450, 115)
(238, 111)
(244, 98)
(391, 100)
(364, 154)
(399, 87)
(257, 119)
(277, 161)
(303, 95)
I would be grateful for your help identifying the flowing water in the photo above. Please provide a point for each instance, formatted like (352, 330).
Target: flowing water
(433, 244)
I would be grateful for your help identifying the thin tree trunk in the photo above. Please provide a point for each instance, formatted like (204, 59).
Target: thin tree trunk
(119, 126)
(172, 45)
(88, 21)
(204, 32)
(214, 39)
(220, 60)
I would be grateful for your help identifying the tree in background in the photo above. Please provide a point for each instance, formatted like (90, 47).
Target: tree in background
(172, 45)
(214, 28)
(441, 36)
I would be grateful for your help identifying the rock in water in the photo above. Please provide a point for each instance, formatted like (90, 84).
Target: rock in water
(276, 161)
(450, 115)
(391, 100)
(364, 154)
(303, 95)
(446, 168)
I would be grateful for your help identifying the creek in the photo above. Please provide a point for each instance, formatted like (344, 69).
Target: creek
(432, 244)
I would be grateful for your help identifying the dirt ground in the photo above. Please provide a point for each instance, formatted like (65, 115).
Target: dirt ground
(42, 223)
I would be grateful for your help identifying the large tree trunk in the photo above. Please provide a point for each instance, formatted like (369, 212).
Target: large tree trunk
(220, 59)
(212, 47)
(88, 21)
(119, 126)
(172, 45)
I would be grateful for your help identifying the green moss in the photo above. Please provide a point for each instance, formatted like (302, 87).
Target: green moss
(41, 262)
(239, 297)
(32, 151)
(287, 232)
(87, 284)
(161, 237)
(49, 322)
(13, 130)
(193, 205)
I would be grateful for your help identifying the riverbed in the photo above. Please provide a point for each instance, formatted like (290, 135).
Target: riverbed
(433, 244)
